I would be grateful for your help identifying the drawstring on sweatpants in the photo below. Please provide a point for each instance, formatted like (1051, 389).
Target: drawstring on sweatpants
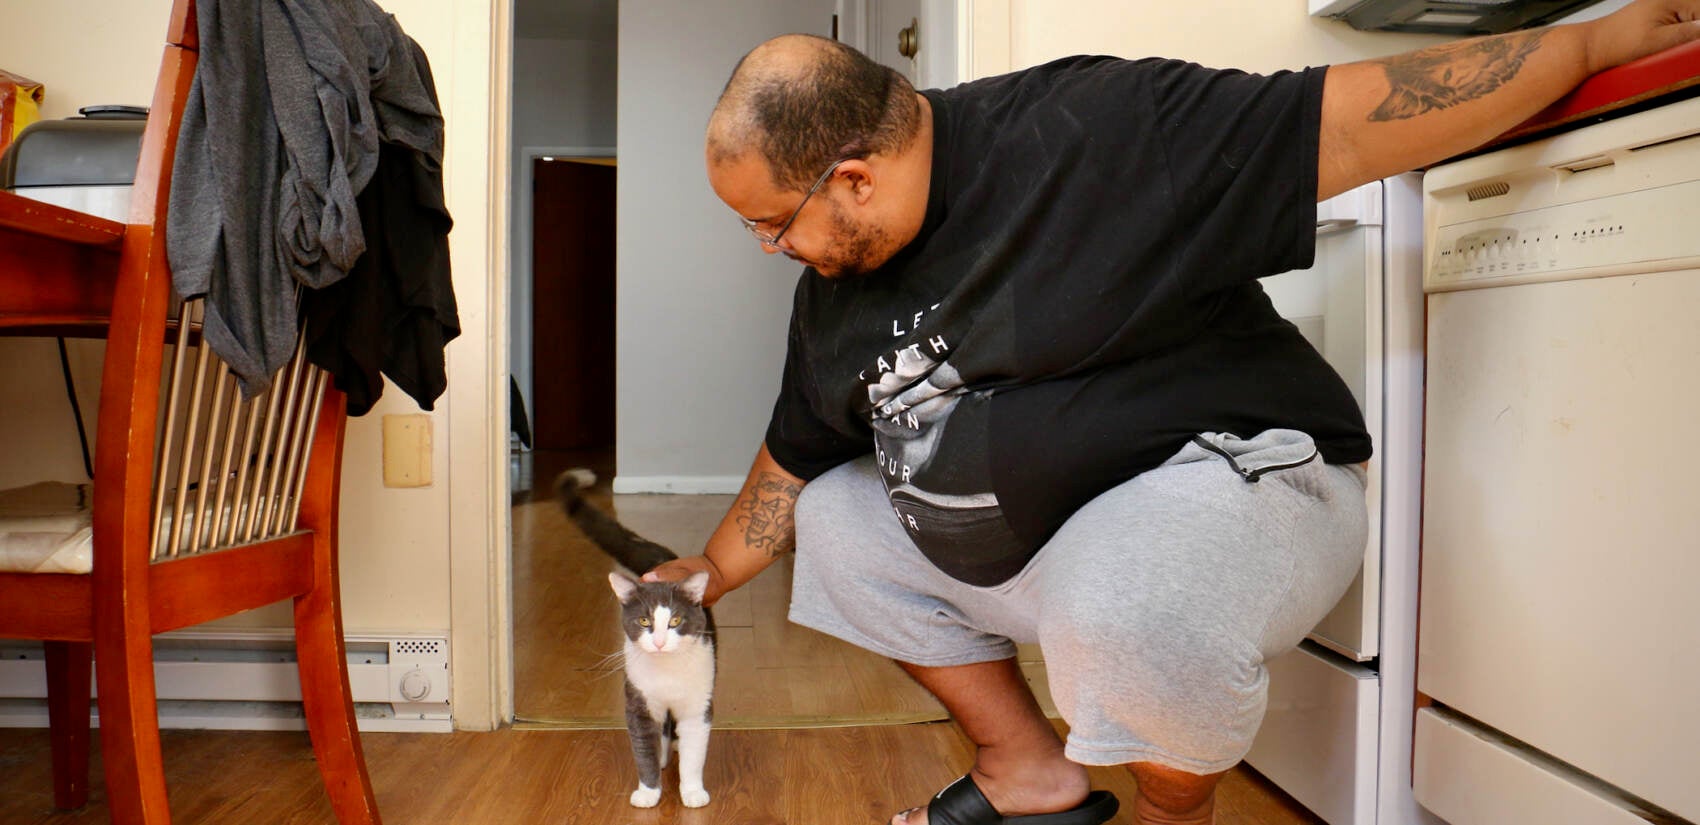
(1251, 476)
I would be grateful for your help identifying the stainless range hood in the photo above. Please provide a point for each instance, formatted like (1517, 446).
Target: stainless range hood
(1460, 17)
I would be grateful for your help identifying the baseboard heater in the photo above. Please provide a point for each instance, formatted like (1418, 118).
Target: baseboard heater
(242, 680)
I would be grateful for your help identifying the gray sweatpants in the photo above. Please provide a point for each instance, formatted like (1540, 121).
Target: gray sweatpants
(1156, 604)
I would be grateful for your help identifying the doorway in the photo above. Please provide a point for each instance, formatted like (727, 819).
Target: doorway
(698, 311)
(572, 309)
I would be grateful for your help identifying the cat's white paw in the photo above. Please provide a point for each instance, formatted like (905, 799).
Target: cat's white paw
(693, 797)
(647, 797)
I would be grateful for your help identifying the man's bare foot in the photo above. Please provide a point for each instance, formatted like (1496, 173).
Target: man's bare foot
(1017, 786)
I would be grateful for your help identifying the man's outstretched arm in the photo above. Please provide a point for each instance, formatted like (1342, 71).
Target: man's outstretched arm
(756, 531)
(1386, 116)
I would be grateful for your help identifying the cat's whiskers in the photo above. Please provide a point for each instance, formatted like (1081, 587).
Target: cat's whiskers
(607, 665)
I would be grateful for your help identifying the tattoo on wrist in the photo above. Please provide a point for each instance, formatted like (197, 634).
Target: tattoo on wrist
(765, 513)
(1445, 76)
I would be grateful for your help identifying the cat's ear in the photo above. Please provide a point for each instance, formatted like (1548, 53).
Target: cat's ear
(695, 586)
(623, 586)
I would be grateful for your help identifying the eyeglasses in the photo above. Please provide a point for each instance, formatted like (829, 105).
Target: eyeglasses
(773, 240)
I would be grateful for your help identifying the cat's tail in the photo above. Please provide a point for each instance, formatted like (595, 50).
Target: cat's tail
(632, 551)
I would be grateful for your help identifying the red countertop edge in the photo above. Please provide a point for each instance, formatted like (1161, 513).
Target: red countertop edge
(1656, 75)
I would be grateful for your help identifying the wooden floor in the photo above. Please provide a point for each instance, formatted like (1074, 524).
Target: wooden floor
(820, 776)
(772, 673)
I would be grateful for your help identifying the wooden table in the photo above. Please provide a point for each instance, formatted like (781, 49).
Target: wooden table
(58, 268)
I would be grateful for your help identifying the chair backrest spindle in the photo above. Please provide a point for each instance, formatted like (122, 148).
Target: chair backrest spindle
(321, 380)
(245, 464)
(162, 440)
(207, 482)
(260, 447)
(233, 422)
(295, 451)
(276, 447)
(191, 413)
(258, 460)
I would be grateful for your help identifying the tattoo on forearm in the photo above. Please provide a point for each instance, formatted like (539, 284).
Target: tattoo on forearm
(1445, 76)
(765, 513)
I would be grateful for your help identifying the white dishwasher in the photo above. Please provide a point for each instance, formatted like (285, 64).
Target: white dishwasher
(1559, 624)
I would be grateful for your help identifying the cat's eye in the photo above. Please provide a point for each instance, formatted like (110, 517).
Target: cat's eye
(643, 622)
(676, 621)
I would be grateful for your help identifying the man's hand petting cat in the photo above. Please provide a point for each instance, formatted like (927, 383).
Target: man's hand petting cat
(680, 569)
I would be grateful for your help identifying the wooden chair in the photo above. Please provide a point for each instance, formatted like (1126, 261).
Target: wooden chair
(203, 505)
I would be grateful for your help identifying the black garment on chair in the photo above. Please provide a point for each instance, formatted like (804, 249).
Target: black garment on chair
(396, 310)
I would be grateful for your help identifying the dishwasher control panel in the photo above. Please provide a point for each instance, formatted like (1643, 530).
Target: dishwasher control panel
(1643, 231)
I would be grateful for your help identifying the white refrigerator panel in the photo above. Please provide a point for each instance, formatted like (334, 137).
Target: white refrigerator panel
(1338, 306)
(1337, 736)
(1561, 541)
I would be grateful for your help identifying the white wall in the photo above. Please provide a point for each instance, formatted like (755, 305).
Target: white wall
(701, 312)
(564, 95)
(1256, 36)
(52, 43)
(400, 548)
(564, 91)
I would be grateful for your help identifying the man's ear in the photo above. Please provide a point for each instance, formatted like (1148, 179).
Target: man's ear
(861, 176)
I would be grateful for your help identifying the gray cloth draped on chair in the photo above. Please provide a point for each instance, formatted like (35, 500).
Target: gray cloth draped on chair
(265, 181)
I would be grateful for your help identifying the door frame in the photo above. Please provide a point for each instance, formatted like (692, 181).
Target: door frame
(480, 631)
(937, 67)
(984, 38)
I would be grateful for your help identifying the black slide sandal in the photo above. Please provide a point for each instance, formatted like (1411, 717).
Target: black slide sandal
(962, 803)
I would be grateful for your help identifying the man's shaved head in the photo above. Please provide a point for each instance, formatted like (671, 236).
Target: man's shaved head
(802, 102)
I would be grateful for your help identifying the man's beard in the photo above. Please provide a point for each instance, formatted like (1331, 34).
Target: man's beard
(858, 251)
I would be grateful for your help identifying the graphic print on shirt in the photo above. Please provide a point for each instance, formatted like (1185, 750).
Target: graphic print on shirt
(930, 439)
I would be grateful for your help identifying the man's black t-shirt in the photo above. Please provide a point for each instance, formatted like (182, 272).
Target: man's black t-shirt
(1080, 300)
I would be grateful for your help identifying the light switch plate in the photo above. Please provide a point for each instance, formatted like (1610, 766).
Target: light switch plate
(407, 450)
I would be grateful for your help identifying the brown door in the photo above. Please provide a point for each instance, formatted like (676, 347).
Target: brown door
(572, 304)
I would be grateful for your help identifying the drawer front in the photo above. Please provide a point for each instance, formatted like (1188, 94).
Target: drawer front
(1469, 776)
(1318, 740)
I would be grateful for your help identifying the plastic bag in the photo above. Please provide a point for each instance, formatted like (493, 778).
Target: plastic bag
(20, 105)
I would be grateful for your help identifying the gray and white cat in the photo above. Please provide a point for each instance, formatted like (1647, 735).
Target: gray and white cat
(669, 651)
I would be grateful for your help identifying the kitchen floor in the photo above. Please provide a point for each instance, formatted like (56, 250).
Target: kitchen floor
(818, 776)
(772, 673)
(811, 731)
